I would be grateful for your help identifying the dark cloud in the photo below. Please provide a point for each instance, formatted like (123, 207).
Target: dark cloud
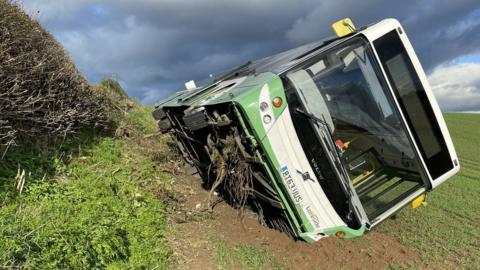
(439, 30)
(155, 46)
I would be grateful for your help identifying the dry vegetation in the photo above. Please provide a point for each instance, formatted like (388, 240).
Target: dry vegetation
(41, 91)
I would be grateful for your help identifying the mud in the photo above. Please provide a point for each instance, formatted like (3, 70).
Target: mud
(192, 227)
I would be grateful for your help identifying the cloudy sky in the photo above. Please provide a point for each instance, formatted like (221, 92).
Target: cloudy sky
(154, 46)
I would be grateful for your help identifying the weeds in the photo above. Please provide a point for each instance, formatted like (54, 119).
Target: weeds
(83, 204)
(243, 256)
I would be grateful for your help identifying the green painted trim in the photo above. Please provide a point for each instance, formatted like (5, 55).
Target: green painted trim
(307, 238)
(198, 94)
(270, 158)
(277, 90)
(171, 100)
(307, 226)
(300, 218)
(249, 105)
(349, 232)
(250, 137)
(277, 177)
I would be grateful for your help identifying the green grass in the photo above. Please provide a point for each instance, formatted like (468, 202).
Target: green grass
(84, 204)
(141, 121)
(228, 256)
(447, 230)
(126, 112)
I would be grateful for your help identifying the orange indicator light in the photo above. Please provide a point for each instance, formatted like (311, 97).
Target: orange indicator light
(277, 102)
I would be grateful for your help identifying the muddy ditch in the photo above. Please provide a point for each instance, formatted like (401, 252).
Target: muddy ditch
(193, 223)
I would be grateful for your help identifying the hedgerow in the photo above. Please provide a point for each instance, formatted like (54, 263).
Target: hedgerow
(42, 94)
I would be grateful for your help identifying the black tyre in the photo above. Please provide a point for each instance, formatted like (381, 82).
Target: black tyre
(195, 120)
(159, 114)
(164, 125)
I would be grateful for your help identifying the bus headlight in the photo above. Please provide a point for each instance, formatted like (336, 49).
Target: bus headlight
(267, 119)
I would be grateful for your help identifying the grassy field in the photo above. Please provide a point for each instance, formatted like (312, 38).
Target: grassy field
(447, 232)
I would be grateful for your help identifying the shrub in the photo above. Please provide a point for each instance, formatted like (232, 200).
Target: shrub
(41, 91)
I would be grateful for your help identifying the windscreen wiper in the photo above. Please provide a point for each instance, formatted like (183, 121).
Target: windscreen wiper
(324, 125)
(330, 142)
(313, 117)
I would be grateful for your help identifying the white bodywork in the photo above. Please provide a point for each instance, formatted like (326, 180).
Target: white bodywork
(306, 194)
(377, 31)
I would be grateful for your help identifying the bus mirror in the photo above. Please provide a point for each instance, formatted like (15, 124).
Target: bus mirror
(343, 27)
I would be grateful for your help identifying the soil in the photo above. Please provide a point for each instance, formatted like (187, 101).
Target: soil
(192, 228)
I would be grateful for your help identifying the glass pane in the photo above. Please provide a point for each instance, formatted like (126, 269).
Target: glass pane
(342, 88)
(406, 88)
(415, 104)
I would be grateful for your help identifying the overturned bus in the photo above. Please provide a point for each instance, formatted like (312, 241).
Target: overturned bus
(327, 139)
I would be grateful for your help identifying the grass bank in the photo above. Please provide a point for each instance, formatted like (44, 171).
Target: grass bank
(82, 203)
